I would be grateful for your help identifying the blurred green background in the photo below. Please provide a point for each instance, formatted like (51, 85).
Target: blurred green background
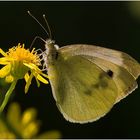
(113, 25)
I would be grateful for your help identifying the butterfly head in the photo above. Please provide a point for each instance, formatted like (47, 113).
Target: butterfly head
(51, 49)
(50, 45)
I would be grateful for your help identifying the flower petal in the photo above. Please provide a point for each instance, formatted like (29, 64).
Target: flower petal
(2, 52)
(34, 67)
(14, 116)
(4, 61)
(54, 134)
(5, 71)
(45, 75)
(38, 83)
(31, 130)
(31, 66)
(26, 77)
(28, 83)
(28, 116)
(40, 78)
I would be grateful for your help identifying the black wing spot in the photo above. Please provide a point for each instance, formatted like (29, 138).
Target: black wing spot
(102, 83)
(110, 73)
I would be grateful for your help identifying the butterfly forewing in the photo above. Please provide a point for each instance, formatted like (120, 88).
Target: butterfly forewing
(117, 57)
(125, 69)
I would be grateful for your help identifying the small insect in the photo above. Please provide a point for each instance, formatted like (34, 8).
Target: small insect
(87, 80)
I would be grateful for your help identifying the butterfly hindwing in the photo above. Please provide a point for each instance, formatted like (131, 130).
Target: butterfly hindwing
(82, 90)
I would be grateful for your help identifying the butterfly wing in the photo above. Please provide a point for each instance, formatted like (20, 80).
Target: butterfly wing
(124, 68)
(83, 91)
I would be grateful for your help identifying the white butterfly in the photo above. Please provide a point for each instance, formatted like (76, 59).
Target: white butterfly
(88, 80)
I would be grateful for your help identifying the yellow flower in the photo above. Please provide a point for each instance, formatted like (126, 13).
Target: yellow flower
(20, 63)
(23, 125)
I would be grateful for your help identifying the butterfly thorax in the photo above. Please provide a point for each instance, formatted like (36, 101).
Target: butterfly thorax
(51, 51)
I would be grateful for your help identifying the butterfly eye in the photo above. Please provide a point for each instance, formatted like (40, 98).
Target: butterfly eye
(56, 55)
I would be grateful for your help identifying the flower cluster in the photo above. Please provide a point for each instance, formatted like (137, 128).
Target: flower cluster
(17, 124)
(20, 63)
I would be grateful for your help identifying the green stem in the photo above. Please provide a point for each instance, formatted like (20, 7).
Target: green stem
(8, 94)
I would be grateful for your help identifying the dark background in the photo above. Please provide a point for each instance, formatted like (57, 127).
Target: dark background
(109, 24)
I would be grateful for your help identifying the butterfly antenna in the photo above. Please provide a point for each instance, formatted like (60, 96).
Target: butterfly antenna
(49, 35)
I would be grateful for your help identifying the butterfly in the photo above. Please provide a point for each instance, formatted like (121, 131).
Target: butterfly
(88, 80)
